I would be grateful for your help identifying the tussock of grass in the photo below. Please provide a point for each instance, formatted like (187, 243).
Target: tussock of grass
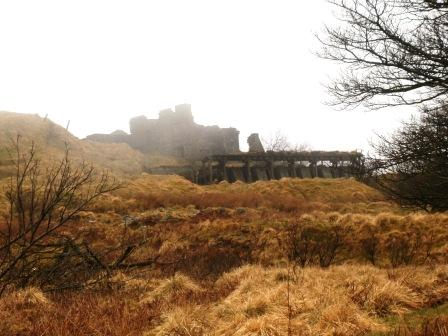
(287, 195)
(183, 321)
(230, 280)
(30, 297)
(269, 325)
(226, 245)
(178, 288)
(20, 310)
(322, 302)
(344, 318)
(331, 294)
(123, 282)
(251, 300)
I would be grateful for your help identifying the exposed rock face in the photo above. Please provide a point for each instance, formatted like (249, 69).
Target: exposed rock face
(175, 133)
(255, 145)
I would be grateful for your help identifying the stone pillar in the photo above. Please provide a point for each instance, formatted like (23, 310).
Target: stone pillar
(313, 167)
(210, 172)
(224, 171)
(270, 166)
(248, 172)
(195, 175)
(335, 169)
(292, 169)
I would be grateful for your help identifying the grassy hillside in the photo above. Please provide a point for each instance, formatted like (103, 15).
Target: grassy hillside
(51, 139)
(343, 195)
(309, 257)
(216, 263)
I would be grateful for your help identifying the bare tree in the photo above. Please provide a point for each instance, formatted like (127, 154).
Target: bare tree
(42, 200)
(279, 142)
(395, 52)
(412, 165)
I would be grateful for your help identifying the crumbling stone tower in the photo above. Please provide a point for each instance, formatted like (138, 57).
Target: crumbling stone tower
(175, 133)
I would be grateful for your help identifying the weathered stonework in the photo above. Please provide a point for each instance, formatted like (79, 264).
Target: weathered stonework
(255, 145)
(212, 153)
(250, 167)
(176, 134)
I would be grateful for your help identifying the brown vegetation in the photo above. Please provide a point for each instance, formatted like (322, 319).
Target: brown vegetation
(51, 140)
(251, 300)
(300, 257)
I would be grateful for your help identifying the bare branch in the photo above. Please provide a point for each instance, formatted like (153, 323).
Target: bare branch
(41, 202)
(393, 52)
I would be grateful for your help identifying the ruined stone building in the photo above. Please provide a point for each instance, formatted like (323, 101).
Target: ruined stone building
(213, 153)
(257, 165)
(175, 133)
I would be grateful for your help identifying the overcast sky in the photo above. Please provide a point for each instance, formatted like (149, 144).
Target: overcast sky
(242, 63)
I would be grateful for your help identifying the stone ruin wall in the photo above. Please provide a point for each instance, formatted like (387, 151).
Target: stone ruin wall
(175, 133)
(214, 152)
(262, 166)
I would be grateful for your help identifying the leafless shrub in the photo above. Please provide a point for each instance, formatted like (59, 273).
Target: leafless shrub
(312, 243)
(41, 200)
(370, 243)
(402, 247)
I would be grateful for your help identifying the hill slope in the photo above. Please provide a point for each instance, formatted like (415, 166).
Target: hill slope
(218, 260)
(51, 140)
(343, 195)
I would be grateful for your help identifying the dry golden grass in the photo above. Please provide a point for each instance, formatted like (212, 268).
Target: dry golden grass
(51, 140)
(187, 320)
(20, 310)
(288, 195)
(252, 300)
(223, 267)
(125, 283)
(93, 314)
(432, 327)
(173, 290)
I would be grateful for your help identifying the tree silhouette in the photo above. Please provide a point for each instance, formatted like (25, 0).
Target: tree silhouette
(394, 52)
(42, 199)
(412, 164)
